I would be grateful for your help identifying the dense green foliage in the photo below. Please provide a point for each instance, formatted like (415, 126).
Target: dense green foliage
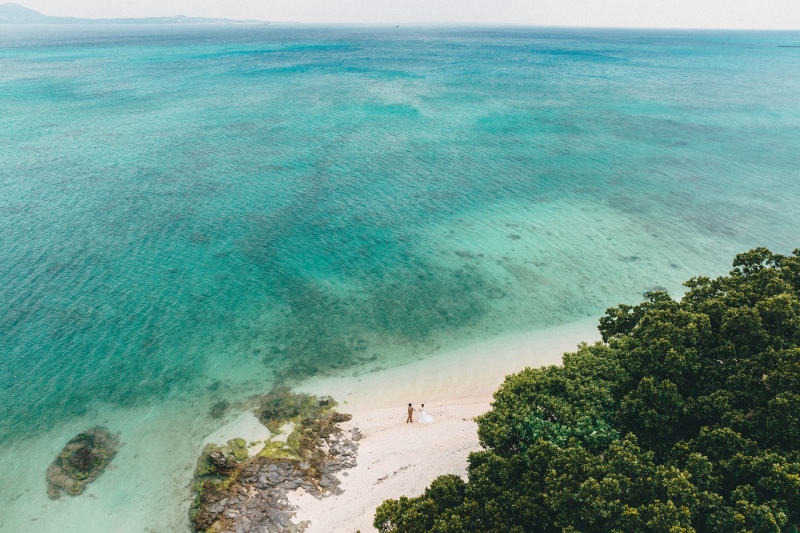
(685, 419)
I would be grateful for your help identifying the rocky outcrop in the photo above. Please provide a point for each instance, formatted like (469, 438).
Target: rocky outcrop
(240, 494)
(81, 461)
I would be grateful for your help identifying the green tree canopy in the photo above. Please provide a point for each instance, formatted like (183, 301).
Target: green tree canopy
(686, 418)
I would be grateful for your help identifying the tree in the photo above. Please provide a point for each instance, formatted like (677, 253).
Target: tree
(686, 418)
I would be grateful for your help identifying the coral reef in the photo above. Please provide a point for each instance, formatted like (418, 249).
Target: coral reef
(81, 461)
(237, 493)
(219, 408)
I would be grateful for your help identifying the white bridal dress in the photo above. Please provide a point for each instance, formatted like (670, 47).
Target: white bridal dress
(425, 418)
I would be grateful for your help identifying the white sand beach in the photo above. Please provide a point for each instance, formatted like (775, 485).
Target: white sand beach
(396, 458)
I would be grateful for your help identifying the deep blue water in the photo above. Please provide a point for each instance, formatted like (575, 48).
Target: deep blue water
(176, 202)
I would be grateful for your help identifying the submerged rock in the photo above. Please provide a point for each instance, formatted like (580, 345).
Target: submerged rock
(218, 409)
(81, 461)
(240, 494)
(281, 405)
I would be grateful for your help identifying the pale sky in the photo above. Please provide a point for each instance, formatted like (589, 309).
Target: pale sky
(756, 14)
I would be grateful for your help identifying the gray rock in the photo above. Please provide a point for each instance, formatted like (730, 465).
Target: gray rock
(258, 501)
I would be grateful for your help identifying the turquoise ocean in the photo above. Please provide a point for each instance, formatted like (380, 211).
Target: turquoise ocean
(192, 214)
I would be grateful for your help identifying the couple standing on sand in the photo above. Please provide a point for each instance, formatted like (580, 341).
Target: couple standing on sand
(424, 418)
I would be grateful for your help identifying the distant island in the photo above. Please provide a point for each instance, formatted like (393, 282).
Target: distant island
(11, 13)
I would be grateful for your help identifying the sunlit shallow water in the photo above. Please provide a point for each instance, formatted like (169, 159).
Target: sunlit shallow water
(190, 214)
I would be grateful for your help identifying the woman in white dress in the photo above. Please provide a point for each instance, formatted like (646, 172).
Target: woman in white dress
(424, 418)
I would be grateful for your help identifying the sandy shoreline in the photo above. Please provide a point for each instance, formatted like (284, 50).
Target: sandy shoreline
(396, 458)
(149, 483)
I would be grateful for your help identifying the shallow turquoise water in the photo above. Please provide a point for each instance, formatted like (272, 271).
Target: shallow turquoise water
(177, 203)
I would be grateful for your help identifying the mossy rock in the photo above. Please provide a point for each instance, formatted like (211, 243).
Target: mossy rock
(204, 466)
(81, 461)
(294, 441)
(341, 417)
(281, 406)
(220, 468)
(238, 449)
(277, 450)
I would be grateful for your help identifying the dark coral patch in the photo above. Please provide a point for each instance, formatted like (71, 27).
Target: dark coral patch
(81, 461)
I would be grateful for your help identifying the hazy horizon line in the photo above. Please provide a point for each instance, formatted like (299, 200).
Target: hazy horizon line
(253, 22)
(222, 20)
